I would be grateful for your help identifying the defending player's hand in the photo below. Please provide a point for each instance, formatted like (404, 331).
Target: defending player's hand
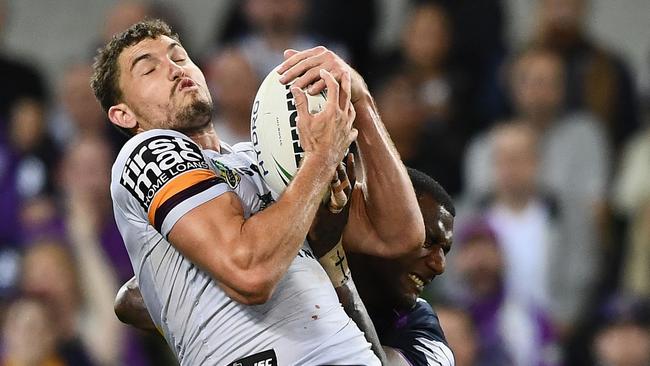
(332, 215)
(329, 132)
(305, 66)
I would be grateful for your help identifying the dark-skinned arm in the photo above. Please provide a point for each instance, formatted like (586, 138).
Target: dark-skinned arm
(384, 219)
(324, 238)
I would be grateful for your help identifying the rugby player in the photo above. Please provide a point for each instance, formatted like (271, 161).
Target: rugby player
(228, 277)
(407, 326)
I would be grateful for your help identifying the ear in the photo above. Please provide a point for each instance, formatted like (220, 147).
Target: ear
(122, 116)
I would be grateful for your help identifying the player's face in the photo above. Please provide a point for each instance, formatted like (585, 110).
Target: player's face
(419, 269)
(163, 87)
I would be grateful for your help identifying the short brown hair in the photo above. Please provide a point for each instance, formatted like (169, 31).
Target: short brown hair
(106, 71)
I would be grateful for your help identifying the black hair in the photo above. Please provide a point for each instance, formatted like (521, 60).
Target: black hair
(424, 184)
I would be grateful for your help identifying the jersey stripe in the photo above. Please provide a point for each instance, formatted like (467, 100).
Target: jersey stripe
(177, 185)
(181, 196)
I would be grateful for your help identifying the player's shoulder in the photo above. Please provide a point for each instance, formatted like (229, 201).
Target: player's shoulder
(151, 159)
(422, 340)
(136, 142)
(424, 318)
(245, 147)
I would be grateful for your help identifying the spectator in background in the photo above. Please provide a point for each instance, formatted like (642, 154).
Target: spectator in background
(624, 336)
(30, 335)
(632, 199)
(34, 151)
(511, 331)
(419, 97)
(85, 178)
(275, 25)
(77, 114)
(127, 12)
(522, 215)
(460, 333)
(574, 167)
(596, 79)
(26, 82)
(233, 85)
(122, 15)
(355, 31)
(49, 271)
(478, 50)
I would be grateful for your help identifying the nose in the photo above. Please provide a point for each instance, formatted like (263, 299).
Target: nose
(175, 71)
(436, 260)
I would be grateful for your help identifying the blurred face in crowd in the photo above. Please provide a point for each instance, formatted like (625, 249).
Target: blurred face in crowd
(48, 271)
(29, 335)
(79, 101)
(538, 86)
(561, 20)
(122, 15)
(403, 113)
(26, 125)
(86, 169)
(460, 333)
(515, 161)
(623, 345)
(480, 263)
(233, 82)
(275, 16)
(426, 37)
(404, 279)
(161, 88)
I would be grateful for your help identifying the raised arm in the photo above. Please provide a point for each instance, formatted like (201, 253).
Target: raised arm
(248, 257)
(385, 219)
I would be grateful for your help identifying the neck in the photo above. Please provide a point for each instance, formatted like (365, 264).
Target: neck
(206, 137)
(539, 121)
(515, 202)
(428, 72)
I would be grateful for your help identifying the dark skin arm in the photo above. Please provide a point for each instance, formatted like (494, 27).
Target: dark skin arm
(130, 309)
(323, 236)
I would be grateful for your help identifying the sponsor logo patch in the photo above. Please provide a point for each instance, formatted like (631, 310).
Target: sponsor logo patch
(265, 358)
(156, 161)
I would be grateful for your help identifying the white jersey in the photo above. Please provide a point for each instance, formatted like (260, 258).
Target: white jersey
(159, 176)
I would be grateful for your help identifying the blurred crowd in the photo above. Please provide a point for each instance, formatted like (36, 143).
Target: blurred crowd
(545, 147)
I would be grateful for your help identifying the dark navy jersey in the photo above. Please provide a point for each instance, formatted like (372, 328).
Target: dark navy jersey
(417, 335)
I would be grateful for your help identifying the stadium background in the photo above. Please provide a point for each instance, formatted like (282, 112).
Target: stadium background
(61, 259)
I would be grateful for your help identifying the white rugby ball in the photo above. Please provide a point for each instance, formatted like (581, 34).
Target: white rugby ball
(274, 132)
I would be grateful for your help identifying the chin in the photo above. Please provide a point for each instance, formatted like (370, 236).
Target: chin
(197, 114)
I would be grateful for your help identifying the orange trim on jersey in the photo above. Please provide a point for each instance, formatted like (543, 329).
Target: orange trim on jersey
(176, 185)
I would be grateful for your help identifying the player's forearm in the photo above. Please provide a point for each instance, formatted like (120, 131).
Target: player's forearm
(391, 204)
(356, 310)
(273, 237)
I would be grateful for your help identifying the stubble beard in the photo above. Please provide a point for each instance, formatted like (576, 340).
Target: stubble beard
(193, 117)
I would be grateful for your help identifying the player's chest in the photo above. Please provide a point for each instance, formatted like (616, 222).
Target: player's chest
(242, 176)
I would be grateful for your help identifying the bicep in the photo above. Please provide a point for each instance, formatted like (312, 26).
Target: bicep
(206, 235)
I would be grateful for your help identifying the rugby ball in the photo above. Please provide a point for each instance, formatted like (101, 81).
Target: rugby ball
(274, 133)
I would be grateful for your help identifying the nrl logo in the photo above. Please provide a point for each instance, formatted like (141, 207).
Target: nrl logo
(231, 177)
